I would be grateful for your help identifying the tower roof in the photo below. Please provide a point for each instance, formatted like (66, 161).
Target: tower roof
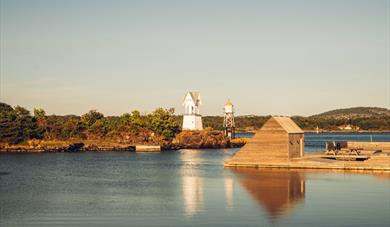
(228, 103)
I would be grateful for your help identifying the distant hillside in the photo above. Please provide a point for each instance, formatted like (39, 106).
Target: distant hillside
(355, 112)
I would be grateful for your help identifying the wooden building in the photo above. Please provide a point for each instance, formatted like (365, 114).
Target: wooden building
(278, 141)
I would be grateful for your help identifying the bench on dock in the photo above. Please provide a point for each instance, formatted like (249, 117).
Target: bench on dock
(334, 148)
(341, 150)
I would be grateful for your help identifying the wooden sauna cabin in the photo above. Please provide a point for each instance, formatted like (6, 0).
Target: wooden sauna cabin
(277, 142)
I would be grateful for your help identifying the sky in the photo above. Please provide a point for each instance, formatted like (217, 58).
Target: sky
(269, 57)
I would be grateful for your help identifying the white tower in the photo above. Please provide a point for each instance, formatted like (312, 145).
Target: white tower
(192, 120)
(228, 122)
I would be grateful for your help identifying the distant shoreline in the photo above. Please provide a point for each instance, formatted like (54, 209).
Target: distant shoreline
(361, 131)
(331, 131)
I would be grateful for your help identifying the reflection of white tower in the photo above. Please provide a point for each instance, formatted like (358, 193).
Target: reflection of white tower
(192, 183)
(192, 120)
(228, 122)
(193, 194)
(229, 189)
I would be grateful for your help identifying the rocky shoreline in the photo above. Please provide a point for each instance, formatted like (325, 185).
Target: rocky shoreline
(184, 140)
(74, 147)
(80, 147)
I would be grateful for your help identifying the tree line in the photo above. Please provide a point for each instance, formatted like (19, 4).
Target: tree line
(380, 123)
(18, 125)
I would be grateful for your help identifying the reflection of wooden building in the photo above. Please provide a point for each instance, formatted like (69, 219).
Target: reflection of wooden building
(276, 190)
(278, 141)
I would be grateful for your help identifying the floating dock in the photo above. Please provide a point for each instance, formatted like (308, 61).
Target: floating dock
(147, 148)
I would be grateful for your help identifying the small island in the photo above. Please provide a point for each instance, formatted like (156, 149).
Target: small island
(23, 132)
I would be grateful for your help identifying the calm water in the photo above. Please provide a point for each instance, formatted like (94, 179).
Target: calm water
(181, 188)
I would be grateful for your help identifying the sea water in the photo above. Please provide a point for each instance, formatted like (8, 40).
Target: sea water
(182, 188)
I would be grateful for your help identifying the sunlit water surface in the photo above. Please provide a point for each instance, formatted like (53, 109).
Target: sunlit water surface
(181, 188)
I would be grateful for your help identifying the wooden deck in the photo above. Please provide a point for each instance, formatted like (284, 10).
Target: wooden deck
(147, 148)
(359, 156)
(316, 161)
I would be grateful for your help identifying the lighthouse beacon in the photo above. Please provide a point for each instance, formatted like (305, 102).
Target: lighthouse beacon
(228, 122)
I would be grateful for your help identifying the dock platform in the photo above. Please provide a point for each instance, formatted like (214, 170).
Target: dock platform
(317, 161)
(279, 143)
(147, 148)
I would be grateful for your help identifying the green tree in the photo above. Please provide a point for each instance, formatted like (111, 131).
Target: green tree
(39, 113)
(136, 120)
(27, 125)
(125, 120)
(132, 122)
(91, 117)
(9, 132)
(162, 122)
(17, 125)
(100, 127)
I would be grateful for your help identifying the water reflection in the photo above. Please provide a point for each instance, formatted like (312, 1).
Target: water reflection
(192, 182)
(183, 188)
(277, 191)
(229, 190)
(192, 194)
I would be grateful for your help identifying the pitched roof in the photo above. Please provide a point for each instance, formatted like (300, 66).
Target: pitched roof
(195, 96)
(288, 125)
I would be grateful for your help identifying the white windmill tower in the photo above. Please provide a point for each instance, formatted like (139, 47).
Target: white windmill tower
(192, 120)
(228, 121)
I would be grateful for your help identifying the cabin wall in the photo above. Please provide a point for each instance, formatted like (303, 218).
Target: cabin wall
(270, 144)
(294, 145)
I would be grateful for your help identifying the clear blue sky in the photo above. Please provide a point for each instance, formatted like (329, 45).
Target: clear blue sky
(268, 57)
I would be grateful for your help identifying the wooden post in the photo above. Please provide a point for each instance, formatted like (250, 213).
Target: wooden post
(301, 143)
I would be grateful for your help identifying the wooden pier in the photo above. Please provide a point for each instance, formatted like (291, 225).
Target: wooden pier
(278, 144)
(316, 161)
(147, 148)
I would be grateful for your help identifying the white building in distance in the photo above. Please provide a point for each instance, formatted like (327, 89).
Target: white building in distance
(228, 121)
(192, 120)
